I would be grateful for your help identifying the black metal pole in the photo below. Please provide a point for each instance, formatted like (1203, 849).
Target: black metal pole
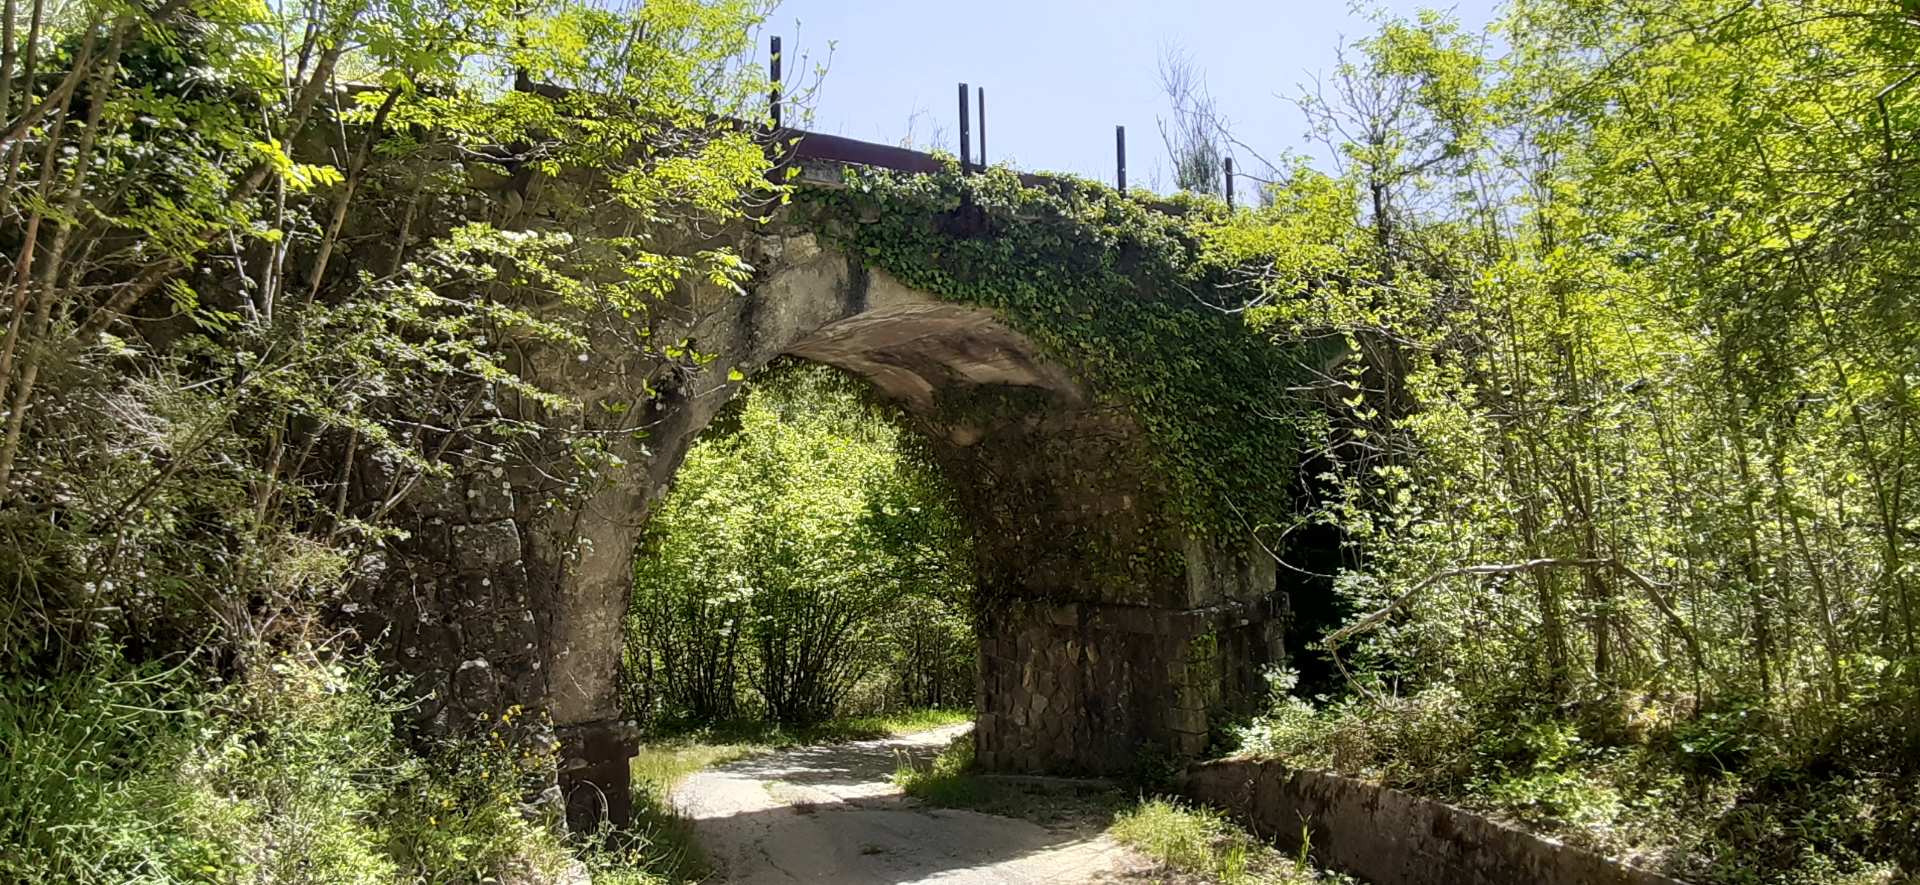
(966, 138)
(773, 97)
(1120, 155)
(982, 111)
(1229, 182)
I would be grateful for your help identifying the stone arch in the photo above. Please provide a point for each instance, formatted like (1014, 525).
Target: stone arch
(1108, 632)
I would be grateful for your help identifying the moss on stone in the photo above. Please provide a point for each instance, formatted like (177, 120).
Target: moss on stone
(1115, 289)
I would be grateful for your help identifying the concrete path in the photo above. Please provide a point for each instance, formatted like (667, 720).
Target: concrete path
(832, 814)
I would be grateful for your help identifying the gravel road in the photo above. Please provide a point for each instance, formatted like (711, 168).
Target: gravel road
(832, 814)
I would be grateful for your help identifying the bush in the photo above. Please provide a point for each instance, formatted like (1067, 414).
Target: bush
(1423, 739)
(1719, 797)
(293, 774)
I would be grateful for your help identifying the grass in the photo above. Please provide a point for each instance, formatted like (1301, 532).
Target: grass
(670, 846)
(1720, 796)
(906, 722)
(293, 772)
(761, 736)
(948, 781)
(1197, 844)
(1205, 844)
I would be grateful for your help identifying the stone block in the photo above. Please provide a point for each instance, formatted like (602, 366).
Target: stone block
(489, 495)
(488, 545)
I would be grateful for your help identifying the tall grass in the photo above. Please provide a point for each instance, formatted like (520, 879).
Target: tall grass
(947, 781)
(1205, 843)
(293, 773)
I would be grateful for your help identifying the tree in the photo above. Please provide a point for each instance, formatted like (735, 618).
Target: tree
(258, 260)
(808, 552)
(1194, 137)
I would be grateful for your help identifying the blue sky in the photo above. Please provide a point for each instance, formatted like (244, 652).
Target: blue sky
(1060, 74)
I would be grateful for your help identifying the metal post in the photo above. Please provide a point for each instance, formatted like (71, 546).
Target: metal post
(982, 111)
(966, 139)
(1120, 155)
(773, 96)
(1229, 182)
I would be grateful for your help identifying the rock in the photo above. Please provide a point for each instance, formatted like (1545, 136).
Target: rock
(489, 545)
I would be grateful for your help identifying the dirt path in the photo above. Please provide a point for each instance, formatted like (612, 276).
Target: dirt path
(831, 814)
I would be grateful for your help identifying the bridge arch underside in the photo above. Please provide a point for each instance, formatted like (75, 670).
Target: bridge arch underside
(1109, 635)
(1105, 634)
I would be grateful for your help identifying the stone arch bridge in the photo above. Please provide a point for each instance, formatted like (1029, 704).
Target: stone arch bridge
(1116, 635)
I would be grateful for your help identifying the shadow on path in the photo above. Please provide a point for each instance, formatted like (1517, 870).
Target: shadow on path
(832, 814)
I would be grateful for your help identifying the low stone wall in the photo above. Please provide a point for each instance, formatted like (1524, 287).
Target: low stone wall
(1388, 837)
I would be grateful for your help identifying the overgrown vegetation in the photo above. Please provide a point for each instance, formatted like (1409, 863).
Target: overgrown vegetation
(143, 774)
(1598, 350)
(1130, 296)
(946, 780)
(769, 734)
(195, 378)
(807, 566)
(1624, 446)
(1204, 843)
(1195, 844)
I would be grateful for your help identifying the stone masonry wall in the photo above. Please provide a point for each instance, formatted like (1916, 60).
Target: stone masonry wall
(1091, 688)
(1388, 837)
(1106, 631)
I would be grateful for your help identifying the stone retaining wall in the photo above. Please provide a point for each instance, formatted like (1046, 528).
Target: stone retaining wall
(1388, 837)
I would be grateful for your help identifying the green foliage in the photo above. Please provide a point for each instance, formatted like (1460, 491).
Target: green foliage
(1609, 344)
(184, 348)
(1125, 294)
(1205, 843)
(947, 780)
(745, 736)
(124, 774)
(808, 552)
(1622, 448)
(1628, 780)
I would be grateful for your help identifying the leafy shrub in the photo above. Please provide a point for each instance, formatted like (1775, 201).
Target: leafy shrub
(1721, 797)
(1569, 797)
(80, 796)
(1420, 739)
(1723, 739)
(292, 774)
(459, 816)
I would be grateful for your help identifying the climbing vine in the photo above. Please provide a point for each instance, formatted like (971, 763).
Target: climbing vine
(1123, 292)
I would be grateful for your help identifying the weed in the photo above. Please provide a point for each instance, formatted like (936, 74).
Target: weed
(1203, 842)
(947, 781)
